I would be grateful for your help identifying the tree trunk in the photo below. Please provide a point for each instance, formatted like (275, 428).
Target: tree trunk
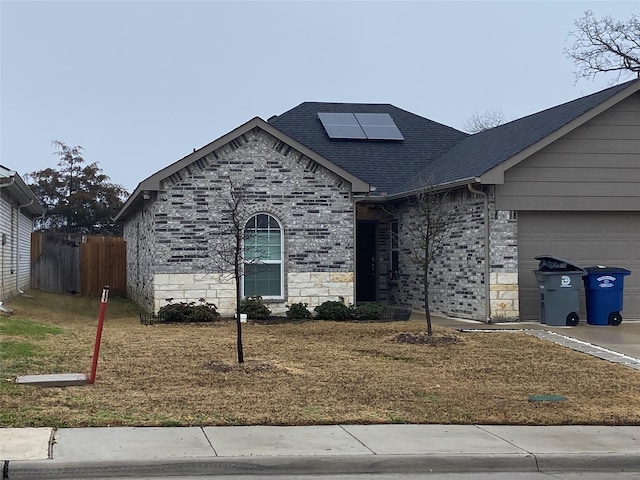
(239, 323)
(427, 311)
(238, 302)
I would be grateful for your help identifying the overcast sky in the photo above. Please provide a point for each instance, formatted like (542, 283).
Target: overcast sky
(139, 84)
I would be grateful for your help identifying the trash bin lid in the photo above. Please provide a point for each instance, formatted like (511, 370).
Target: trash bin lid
(598, 269)
(551, 263)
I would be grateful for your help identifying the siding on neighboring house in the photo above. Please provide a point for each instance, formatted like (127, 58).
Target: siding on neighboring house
(24, 251)
(15, 240)
(186, 220)
(18, 207)
(7, 246)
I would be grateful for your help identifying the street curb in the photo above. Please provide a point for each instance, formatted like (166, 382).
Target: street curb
(327, 465)
(593, 462)
(284, 465)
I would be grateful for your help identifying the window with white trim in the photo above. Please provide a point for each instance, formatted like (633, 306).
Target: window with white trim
(263, 266)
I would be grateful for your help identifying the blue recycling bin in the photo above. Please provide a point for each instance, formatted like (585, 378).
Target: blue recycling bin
(604, 287)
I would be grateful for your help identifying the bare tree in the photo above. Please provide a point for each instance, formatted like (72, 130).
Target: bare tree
(605, 45)
(228, 244)
(430, 227)
(235, 247)
(484, 121)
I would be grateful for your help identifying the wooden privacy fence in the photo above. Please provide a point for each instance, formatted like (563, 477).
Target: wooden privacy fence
(78, 264)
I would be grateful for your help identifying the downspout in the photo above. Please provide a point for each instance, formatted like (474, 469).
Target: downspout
(487, 252)
(18, 245)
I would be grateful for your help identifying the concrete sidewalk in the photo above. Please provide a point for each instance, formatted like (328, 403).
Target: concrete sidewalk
(330, 449)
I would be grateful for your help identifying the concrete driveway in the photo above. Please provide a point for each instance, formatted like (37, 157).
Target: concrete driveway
(625, 338)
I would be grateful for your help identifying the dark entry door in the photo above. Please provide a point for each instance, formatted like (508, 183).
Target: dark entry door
(366, 262)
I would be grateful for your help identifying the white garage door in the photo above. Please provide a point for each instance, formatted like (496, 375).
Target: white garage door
(585, 239)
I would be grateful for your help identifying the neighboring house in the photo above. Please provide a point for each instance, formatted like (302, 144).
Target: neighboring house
(330, 191)
(18, 209)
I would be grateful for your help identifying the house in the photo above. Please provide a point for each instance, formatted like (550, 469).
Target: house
(328, 193)
(18, 209)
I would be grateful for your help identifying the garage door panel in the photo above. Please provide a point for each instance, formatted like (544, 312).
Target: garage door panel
(586, 239)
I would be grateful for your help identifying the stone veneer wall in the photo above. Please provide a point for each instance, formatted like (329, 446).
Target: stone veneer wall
(311, 288)
(503, 277)
(188, 225)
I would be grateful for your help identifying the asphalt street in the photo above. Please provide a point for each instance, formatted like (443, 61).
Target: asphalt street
(420, 476)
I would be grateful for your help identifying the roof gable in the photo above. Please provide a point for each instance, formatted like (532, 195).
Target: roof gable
(153, 182)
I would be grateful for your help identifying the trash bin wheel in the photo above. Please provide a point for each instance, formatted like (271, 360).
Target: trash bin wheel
(573, 319)
(615, 319)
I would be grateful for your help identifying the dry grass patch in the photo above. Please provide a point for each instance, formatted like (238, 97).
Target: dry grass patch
(299, 374)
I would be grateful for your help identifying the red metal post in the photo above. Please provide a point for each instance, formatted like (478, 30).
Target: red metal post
(96, 347)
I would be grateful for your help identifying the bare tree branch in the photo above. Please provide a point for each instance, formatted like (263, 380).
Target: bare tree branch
(605, 45)
(429, 228)
(480, 122)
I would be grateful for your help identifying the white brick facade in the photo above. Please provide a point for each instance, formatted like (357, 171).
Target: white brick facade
(173, 239)
(457, 276)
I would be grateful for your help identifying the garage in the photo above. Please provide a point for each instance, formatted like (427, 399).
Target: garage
(585, 239)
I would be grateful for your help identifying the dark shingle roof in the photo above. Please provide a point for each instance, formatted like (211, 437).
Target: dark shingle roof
(382, 163)
(432, 153)
(483, 151)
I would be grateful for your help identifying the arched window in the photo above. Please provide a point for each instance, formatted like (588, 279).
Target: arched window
(263, 268)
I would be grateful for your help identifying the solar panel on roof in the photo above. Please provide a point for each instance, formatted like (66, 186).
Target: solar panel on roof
(381, 119)
(378, 126)
(370, 126)
(341, 125)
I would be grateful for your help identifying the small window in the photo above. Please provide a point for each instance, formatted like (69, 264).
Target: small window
(395, 250)
(263, 267)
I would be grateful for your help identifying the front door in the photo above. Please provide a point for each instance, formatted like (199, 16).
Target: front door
(366, 266)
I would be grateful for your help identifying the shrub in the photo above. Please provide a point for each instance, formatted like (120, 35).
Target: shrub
(298, 310)
(367, 311)
(189, 312)
(254, 308)
(332, 310)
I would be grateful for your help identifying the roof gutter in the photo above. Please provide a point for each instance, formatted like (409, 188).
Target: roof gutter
(417, 191)
(22, 192)
(487, 249)
(9, 183)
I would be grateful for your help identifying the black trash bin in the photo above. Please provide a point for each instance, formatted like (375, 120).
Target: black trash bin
(604, 288)
(559, 282)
